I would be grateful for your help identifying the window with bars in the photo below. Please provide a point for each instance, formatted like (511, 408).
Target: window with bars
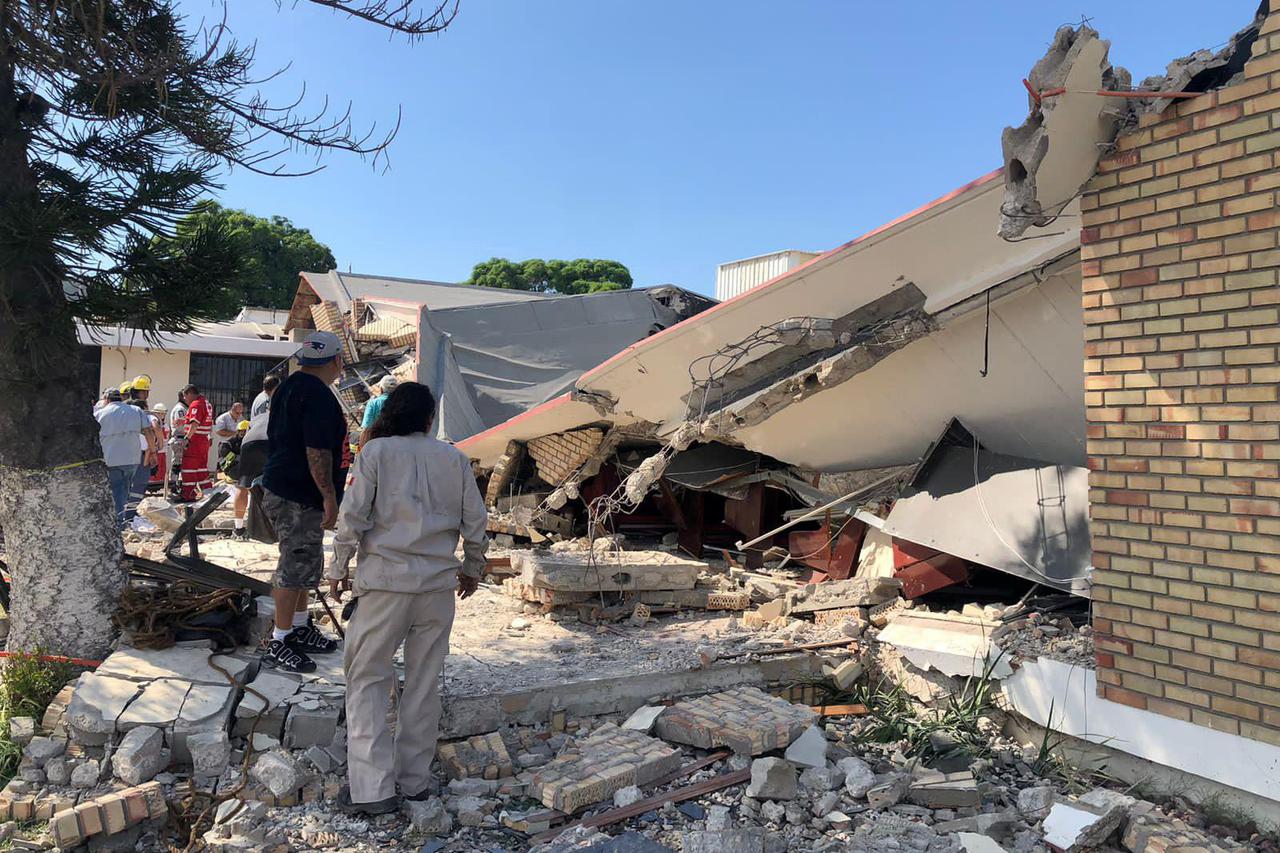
(223, 379)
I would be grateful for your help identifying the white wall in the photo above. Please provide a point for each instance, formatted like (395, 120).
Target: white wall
(169, 371)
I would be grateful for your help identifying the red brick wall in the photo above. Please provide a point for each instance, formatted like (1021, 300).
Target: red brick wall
(1180, 259)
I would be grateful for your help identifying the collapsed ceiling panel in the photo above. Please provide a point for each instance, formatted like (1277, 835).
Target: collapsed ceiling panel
(1021, 516)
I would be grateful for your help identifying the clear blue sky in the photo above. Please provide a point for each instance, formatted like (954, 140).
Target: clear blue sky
(671, 136)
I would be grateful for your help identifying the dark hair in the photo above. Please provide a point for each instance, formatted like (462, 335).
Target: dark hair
(190, 388)
(408, 409)
(270, 381)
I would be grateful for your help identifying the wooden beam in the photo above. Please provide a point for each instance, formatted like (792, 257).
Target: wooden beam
(840, 710)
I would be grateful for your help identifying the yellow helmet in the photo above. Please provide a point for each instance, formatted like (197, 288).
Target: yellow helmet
(242, 425)
(126, 386)
(142, 383)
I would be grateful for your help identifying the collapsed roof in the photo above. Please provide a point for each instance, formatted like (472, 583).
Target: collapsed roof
(930, 317)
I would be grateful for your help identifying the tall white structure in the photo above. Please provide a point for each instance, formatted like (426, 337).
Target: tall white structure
(738, 277)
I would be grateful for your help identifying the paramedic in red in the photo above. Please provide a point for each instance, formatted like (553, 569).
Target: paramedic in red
(195, 475)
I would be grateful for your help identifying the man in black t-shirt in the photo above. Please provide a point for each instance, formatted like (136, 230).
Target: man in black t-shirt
(302, 486)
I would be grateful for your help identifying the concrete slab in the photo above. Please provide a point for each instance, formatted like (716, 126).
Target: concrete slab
(96, 704)
(855, 592)
(180, 662)
(158, 705)
(953, 645)
(610, 572)
(275, 687)
(475, 714)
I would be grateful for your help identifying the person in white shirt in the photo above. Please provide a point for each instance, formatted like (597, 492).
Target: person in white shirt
(224, 429)
(120, 426)
(253, 450)
(411, 498)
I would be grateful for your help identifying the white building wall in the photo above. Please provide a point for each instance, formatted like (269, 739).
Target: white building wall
(737, 277)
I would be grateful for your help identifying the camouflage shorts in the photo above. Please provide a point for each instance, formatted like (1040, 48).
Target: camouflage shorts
(300, 530)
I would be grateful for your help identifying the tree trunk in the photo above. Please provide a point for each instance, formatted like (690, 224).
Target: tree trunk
(64, 559)
(55, 508)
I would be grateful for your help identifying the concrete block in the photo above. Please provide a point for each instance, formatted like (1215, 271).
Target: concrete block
(305, 727)
(140, 755)
(844, 675)
(41, 749)
(278, 772)
(858, 777)
(210, 752)
(772, 779)
(945, 790)
(22, 730)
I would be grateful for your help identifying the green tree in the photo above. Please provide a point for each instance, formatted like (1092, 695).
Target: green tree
(116, 117)
(272, 252)
(584, 275)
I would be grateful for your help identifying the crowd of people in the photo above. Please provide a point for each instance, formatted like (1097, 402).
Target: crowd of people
(399, 502)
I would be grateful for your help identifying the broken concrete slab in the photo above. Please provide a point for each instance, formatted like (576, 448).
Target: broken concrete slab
(832, 595)
(180, 662)
(617, 571)
(644, 719)
(158, 705)
(96, 704)
(593, 769)
(207, 708)
(274, 688)
(1077, 825)
(466, 715)
(952, 644)
(945, 790)
(808, 750)
(1052, 154)
(746, 720)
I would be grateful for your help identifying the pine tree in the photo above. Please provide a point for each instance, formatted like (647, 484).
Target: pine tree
(116, 116)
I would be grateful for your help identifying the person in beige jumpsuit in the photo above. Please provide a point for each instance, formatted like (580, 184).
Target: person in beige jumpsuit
(410, 500)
